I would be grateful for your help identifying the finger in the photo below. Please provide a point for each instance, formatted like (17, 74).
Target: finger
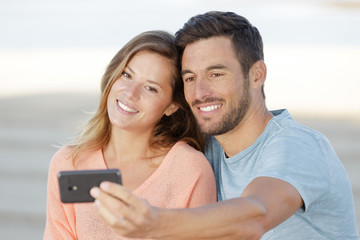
(116, 205)
(133, 208)
(115, 221)
(124, 195)
(110, 202)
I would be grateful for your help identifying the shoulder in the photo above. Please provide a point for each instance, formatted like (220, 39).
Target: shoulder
(185, 149)
(62, 159)
(284, 131)
(284, 125)
(189, 166)
(186, 155)
(212, 144)
(213, 151)
(295, 143)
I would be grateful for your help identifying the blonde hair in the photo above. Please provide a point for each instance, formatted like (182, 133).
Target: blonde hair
(181, 125)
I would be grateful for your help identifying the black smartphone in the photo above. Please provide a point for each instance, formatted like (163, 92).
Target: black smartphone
(75, 185)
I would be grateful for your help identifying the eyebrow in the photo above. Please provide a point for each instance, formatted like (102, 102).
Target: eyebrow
(217, 66)
(132, 71)
(183, 72)
(148, 80)
(153, 82)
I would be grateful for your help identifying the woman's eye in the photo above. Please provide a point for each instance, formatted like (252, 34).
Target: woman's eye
(125, 74)
(151, 89)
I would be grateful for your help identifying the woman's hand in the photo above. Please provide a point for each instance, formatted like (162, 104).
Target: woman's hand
(126, 214)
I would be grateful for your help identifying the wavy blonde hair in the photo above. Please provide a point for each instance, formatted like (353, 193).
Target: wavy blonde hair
(181, 125)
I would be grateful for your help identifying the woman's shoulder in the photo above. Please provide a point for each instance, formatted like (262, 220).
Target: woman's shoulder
(184, 148)
(62, 159)
(63, 152)
(187, 154)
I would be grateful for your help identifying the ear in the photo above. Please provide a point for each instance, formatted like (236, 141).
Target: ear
(257, 74)
(171, 109)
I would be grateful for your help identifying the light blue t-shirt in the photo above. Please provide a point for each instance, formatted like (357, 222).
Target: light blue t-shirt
(302, 157)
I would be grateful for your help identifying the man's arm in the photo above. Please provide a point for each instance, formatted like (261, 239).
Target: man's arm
(265, 203)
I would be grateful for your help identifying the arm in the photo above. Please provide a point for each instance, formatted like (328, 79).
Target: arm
(265, 203)
(60, 218)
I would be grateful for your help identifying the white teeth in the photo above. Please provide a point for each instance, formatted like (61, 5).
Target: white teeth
(210, 108)
(126, 108)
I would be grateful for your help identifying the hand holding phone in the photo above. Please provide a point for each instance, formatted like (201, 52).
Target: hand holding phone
(75, 185)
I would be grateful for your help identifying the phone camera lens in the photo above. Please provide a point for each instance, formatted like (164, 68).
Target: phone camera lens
(73, 188)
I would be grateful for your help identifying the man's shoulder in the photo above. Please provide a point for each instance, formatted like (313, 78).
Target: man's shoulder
(213, 150)
(283, 125)
(211, 144)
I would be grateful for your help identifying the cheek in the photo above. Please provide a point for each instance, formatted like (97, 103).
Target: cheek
(109, 98)
(109, 110)
(119, 85)
(111, 92)
(110, 102)
(157, 107)
(187, 93)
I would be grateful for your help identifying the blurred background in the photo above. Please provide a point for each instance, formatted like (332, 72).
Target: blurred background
(54, 52)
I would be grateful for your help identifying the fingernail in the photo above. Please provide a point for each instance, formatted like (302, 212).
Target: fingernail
(104, 185)
(94, 192)
(97, 203)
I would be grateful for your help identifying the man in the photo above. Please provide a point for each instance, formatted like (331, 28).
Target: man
(276, 179)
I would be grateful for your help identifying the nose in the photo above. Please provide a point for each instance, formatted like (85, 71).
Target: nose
(202, 88)
(133, 91)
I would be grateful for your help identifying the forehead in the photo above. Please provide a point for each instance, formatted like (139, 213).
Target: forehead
(145, 55)
(152, 67)
(213, 50)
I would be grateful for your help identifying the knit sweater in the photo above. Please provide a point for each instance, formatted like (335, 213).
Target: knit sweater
(184, 179)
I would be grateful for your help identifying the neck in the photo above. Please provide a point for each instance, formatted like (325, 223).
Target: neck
(246, 132)
(125, 147)
(129, 151)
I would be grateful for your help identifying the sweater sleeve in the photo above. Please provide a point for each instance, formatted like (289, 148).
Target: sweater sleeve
(60, 217)
(204, 189)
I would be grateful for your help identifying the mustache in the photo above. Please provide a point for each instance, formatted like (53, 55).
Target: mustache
(207, 100)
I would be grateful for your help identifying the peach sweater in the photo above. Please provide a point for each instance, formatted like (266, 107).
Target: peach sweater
(184, 179)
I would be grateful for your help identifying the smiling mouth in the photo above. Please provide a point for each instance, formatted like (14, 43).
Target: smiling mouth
(126, 108)
(210, 108)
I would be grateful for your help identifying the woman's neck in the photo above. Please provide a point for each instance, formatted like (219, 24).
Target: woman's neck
(132, 155)
(126, 145)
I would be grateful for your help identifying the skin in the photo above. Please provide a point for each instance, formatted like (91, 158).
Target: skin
(214, 87)
(142, 95)
(136, 102)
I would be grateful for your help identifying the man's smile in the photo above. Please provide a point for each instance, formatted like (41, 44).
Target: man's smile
(210, 108)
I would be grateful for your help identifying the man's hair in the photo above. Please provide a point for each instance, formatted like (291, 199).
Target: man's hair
(245, 38)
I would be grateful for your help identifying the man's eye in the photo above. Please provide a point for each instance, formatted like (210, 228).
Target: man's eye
(189, 79)
(216, 74)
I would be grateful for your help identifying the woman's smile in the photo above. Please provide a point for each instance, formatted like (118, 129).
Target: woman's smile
(125, 108)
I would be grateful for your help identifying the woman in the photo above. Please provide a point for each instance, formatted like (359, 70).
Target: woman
(142, 127)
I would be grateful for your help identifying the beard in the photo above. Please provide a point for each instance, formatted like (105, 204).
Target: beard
(231, 118)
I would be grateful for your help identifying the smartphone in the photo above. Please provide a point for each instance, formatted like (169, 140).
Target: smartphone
(75, 185)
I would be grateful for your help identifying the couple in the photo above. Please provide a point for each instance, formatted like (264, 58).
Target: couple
(275, 178)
